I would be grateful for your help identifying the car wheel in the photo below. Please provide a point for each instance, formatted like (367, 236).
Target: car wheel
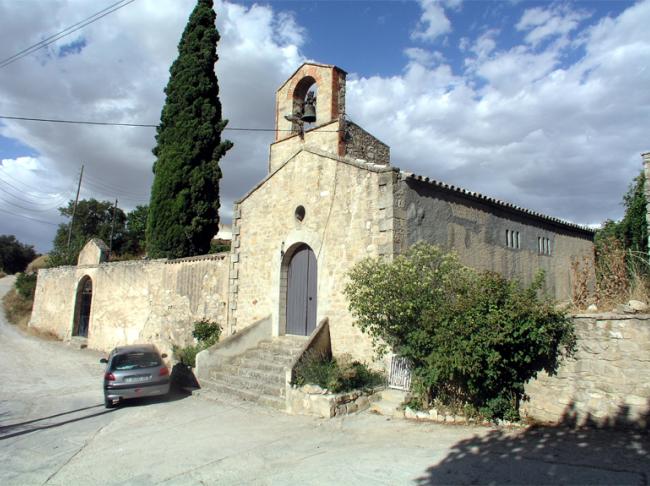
(108, 403)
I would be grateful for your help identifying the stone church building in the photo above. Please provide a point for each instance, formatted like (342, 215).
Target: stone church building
(331, 198)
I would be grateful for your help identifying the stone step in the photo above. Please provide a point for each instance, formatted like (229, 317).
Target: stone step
(249, 384)
(282, 345)
(256, 364)
(264, 355)
(218, 389)
(275, 376)
(389, 403)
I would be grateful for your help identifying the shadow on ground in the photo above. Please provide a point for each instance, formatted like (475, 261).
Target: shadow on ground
(615, 450)
(44, 423)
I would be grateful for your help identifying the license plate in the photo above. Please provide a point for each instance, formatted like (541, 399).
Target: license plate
(137, 379)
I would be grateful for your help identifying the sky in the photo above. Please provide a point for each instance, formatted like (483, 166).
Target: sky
(542, 104)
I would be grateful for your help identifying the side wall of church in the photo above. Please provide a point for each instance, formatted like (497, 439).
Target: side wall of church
(135, 301)
(344, 222)
(477, 232)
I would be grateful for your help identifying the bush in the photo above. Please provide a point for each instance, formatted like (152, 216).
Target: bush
(187, 354)
(473, 338)
(337, 377)
(26, 285)
(206, 332)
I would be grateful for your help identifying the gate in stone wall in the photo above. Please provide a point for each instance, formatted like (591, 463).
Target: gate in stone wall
(400, 374)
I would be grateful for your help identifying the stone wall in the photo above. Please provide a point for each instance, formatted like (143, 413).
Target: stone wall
(154, 301)
(344, 222)
(608, 380)
(476, 230)
(359, 144)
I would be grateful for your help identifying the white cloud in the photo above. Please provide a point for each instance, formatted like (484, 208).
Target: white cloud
(544, 23)
(433, 22)
(521, 125)
(119, 76)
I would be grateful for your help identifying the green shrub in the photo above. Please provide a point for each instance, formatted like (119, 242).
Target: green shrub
(337, 377)
(473, 338)
(206, 332)
(26, 285)
(187, 354)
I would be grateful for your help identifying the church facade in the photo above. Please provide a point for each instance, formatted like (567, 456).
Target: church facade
(331, 198)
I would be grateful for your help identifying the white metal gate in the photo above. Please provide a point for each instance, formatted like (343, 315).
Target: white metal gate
(400, 374)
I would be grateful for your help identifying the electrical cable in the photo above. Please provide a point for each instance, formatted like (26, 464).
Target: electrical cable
(67, 31)
(103, 186)
(27, 217)
(29, 188)
(144, 125)
(36, 208)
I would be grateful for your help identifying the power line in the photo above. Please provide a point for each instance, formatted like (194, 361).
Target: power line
(29, 188)
(67, 31)
(44, 208)
(27, 217)
(142, 125)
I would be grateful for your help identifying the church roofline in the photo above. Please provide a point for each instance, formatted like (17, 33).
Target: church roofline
(498, 203)
(361, 165)
(330, 66)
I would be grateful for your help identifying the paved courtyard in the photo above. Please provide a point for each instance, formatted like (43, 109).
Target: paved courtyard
(55, 430)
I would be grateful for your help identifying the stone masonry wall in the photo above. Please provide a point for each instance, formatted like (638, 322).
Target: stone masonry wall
(607, 380)
(345, 205)
(477, 232)
(359, 144)
(154, 301)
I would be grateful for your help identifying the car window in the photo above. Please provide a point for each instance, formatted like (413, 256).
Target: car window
(135, 360)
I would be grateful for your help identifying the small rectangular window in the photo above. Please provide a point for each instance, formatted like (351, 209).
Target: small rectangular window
(507, 237)
(518, 241)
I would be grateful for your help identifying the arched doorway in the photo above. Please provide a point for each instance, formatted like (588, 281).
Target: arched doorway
(82, 307)
(302, 273)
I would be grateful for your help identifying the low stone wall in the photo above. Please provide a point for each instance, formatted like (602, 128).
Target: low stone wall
(314, 400)
(154, 301)
(608, 380)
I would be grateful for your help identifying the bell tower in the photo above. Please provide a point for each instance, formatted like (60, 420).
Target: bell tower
(310, 115)
(295, 105)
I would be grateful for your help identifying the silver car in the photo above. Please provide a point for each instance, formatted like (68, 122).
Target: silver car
(133, 372)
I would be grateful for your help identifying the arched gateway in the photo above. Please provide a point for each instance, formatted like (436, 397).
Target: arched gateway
(302, 301)
(82, 307)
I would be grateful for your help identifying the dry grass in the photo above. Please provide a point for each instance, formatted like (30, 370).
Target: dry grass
(18, 311)
(37, 264)
(620, 277)
(17, 308)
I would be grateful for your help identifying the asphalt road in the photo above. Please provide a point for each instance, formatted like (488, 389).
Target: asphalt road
(54, 430)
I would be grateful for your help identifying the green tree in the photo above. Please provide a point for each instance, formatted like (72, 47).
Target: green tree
(93, 219)
(136, 226)
(184, 208)
(473, 338)
(14, 255)
(632, 230)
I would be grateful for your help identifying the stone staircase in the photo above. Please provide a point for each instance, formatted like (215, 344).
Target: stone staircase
(258, 375)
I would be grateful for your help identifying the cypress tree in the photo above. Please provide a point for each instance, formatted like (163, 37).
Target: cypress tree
(184, 208)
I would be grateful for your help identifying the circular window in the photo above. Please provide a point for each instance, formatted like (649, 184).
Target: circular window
(300, 213)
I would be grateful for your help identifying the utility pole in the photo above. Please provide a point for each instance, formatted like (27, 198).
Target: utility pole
(74, 208)
(110, 244)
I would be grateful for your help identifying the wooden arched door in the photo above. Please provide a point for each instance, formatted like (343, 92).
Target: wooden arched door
(301, 292)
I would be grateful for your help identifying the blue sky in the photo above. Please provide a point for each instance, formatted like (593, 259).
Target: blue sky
(543, 104)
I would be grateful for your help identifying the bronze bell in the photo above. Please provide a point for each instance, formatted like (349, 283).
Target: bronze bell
(309, 109)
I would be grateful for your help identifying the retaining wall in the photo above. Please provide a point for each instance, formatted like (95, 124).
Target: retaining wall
(607, 382)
